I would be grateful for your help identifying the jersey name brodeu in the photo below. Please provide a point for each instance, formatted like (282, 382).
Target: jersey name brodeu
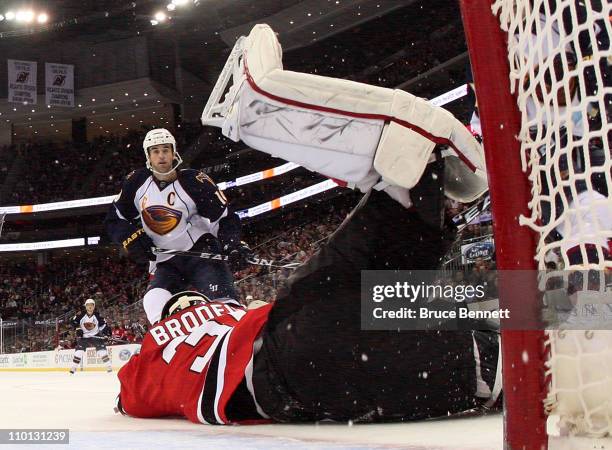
(192, 363)
(91, 325)
(174, 214)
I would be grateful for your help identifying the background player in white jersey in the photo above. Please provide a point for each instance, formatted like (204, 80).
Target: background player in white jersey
(167, 208)
(91, 331)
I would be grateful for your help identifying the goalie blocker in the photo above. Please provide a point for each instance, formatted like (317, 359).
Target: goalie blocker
(305, 358)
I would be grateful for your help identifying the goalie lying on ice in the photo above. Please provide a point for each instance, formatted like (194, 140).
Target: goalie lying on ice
(305, 358)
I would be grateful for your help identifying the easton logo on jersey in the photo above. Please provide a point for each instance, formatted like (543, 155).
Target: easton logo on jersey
(161, 219)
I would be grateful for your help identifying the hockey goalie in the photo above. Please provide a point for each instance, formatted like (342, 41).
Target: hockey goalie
(305, 358)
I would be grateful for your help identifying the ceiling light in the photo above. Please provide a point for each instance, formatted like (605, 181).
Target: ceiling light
(10, 15)
(160, 16)
(28, 16)
(42, 18)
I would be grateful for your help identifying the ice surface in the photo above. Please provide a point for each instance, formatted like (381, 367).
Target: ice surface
(84, 404)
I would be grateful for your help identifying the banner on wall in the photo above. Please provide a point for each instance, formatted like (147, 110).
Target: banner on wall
(59, 84)
(62, 359)
(22, 82)
(483, 249)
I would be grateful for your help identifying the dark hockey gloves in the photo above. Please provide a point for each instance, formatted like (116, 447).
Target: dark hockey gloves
(238, 256)
(79, 333)
(138, 246)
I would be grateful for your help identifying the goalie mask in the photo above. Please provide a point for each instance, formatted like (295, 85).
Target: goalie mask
(161, 136)
(181, 301)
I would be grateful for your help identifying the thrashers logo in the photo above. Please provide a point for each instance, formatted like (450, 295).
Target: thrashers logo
(161, 219)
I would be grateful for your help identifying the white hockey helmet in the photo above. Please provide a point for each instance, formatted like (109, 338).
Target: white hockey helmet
(160, 136)
(90, 301)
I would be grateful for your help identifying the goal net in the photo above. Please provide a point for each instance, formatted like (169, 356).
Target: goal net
(544, 89)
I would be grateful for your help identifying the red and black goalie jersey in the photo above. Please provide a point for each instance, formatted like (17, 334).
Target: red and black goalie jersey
(193, 363)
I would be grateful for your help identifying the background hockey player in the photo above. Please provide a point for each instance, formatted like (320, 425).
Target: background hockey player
(305, 358)
(163, 207)
(91, 331)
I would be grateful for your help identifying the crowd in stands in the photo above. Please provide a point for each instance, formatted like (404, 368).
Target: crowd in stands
(387, 52)
(59, 288)
(7, 156)
(28, 291)
(42, 295)
(56, 172)
(48, 296)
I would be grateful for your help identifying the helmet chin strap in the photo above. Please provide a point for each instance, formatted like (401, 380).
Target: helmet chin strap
(178, 159)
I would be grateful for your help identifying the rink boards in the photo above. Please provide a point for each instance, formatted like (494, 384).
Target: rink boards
(60, 360)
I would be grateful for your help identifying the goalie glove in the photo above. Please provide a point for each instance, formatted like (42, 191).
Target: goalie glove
(138, 246)
(238, 256)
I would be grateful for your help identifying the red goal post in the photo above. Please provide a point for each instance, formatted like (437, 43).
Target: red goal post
(528, 114)
(510, 193)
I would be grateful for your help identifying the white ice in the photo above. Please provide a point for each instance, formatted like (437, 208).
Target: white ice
(84, 402)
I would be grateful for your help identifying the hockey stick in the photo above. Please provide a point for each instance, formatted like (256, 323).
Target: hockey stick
(97, 337)
(255, 260)
(459, 222)
(118, 341)
(109, 339)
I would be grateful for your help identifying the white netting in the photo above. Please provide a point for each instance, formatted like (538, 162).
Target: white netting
(559, 53)
(560, 59)
(580, 370)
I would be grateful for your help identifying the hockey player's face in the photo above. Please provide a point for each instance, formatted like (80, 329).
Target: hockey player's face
(161, 157)
(90, 308)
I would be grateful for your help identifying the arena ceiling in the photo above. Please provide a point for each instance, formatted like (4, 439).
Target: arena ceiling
(303, 20)
(204, 32)
(214, 23)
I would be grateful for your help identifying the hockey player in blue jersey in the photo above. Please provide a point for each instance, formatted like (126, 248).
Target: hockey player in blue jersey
(164, 207)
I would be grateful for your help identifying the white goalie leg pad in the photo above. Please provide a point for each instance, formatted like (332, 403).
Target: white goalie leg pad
(336, 146)
(153, 302)
(343, 129)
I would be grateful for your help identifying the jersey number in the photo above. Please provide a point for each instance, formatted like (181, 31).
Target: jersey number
(212, 329)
